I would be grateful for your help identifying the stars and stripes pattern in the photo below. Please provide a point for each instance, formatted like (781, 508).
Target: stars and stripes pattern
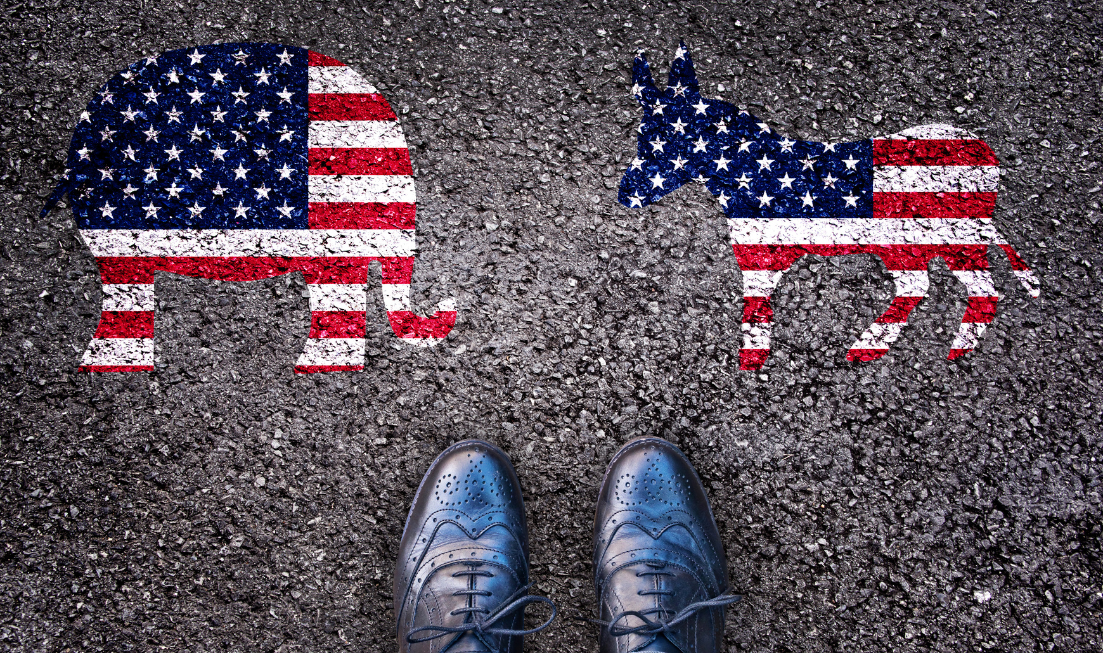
(240, 162)
(925, 193)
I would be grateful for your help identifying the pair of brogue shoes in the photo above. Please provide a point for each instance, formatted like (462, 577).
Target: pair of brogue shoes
(462, 579)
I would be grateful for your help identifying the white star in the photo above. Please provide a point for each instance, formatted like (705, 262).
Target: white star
(635, 200)
(106, 134)
(261, 153)
(829, 147)
(787, 144)
(850, 163)
(196, 96)
(657, 109)
(636, 88)
(786, 181)
(285, 172)
(107, 97)
(218, 190)
(151, 59)
(701, 106)
(657, 181)
(679, 90)
(679, 163)
(764, 163)
(196, 172)
(239, 57)
(851, 201)
(84, 152)
(151, 173)
(724, 199)
(129, 191)
(745, 181)
(129, 114)
(764, 200)
(218, 115)
(721, 127)
(174, 190)
(218, 76)
(829, 180)
(262, 191)
(128, 77)
(240, 210)
(745, 146)
(262, 115)
(130, 153)
(240, 94)
(151, 210)
(679, 126)
(657, 145)
(107, 173)
(196, 134)
(808, 199)
(218, 154)
(196, 57)
(285, 209)
(85, 117)
(196, 210)
(807, 163)
(151, 134)
(680, 52)
(636, 163)
(639, 128)
(764, 127)
(174, 77)
(262, 76)
(151, 96)
(700, 145)
(106, 210)
(174, 153)
(701, 179)
(285, 95)
(286, 134)
(239, 172)
(174, 115)
(239, 136)
(284, 57)
(721, 163)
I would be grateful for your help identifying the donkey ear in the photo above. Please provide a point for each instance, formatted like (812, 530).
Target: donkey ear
(681, 70)
(643, 87)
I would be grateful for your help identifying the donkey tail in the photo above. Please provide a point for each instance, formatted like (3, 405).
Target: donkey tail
(67, 183)
(1022, 271)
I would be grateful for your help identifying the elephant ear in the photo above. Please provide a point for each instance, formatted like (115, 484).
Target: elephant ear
(682, 75)
(643, 87)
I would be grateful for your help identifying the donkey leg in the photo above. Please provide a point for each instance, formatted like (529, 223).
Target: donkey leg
(124, 338)
(337, 302)
(407, 325)
(982, 309)
(911, 287)
(758, 317)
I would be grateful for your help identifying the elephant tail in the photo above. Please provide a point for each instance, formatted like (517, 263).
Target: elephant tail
(1025, 275)
(67, 183)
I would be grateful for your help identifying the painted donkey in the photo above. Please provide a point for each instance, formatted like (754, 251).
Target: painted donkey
(927, 192)
(240, 162)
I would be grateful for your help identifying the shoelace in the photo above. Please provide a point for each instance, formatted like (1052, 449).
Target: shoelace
(483, 628)
(653, 628)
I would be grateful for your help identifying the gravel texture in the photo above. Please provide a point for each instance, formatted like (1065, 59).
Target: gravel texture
(222, 503)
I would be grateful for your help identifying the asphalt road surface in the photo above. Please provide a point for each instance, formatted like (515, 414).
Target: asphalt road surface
(222, 503)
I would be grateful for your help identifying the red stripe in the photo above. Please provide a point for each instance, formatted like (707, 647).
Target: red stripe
(115, 368)
(757, 310)
(409, 325)
(934, 205)
(311, 369)
(318, 59)
(368, 215)
(360, 161)
(349, 106)
(1017, 262)
(899, 309)
(337, 324)
(865, 355)
(981, 309)
(125, 324)
(895, 257)
(899, 152)
(957, 353)
(753, 359)
(396, 269)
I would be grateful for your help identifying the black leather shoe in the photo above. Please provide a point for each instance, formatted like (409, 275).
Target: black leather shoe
(462, 577)
(659, 566)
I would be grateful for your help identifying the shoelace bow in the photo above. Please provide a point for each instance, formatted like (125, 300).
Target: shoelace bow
(482, 628)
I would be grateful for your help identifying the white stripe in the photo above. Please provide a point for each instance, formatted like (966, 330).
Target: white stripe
(911, 283)
(1029, 281)
(421, 342)
(879, 335)
(128, 297)
(968, 335)
(362, 188)
(759, 283)
(336, 79)
(250, 242)
(332, 351)
(936, 179)
(119, 351)
(396, 297)
(355, 133)
(756, 336)
(862, 231)
(934, 132)
(978, 283)
(337, 297)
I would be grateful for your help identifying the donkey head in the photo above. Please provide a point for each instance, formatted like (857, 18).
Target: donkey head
(673, 133)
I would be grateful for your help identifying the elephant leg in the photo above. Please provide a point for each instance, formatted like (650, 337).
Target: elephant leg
(982, 309)
(407, 325)
(123, 341)
(911, 287)
(758, 317)
(338, 300)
